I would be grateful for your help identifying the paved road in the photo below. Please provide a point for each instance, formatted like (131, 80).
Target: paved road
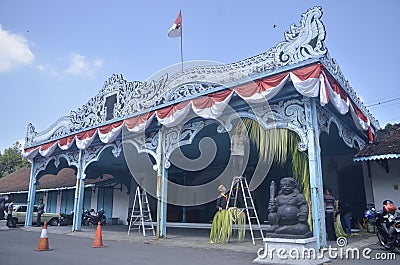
(18, 248)
(181, 247)
(371, 254)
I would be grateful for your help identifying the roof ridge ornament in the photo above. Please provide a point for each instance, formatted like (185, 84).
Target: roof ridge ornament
(302, 43)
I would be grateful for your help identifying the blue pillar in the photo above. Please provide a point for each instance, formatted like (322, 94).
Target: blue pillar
(314, 162)
(79, 193)
(162, 185)
(31, 195)
(184, 207)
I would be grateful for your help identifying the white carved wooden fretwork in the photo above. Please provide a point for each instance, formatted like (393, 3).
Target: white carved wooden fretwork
(286, 114)
(302, 42)
(92, 154)
(182, 135)
(41, 163)
(349, 137)
(144, 143)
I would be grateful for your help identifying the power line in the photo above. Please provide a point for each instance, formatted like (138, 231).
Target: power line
(395, 120)
(383, 102)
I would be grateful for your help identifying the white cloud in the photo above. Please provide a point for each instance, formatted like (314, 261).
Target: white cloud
(48, 69)
(14, 51)
(98, 63)
(79, 65)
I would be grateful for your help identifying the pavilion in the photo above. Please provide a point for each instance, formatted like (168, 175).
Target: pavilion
(161, 133)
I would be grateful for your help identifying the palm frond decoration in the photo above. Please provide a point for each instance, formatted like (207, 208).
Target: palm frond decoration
(300, 171)
(239, 218)
(221, 228)
(278, 145)
(338, 228)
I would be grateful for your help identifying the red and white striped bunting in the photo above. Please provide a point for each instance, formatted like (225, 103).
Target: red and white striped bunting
(310, 81)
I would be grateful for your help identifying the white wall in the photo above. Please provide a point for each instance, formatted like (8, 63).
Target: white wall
(121, 204)
(93, 199)
(45, 197)
(384, 183)
(369, 194)
(59, 202)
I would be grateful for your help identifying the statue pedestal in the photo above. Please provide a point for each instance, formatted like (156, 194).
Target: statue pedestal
(290, 251)
(3, 225)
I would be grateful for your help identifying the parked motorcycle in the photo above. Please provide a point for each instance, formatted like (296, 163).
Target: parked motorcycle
(66, 219)
(387, 222)
(92, 218)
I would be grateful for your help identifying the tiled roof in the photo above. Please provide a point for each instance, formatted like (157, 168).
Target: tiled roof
(387, 146)
(19, 180)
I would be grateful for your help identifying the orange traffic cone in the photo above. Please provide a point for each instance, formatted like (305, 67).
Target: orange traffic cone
(43, 240)
(98, 239)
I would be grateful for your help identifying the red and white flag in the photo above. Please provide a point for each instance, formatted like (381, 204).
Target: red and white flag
(176, 30)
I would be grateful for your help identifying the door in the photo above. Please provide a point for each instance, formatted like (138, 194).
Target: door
(51, 206)
(105, 200)
(87, 198)
(67, 201)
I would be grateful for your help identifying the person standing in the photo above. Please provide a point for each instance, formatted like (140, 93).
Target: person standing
(40, 212)
(237, 151)
(219, 226)
(222, 199)
(345, 215)
(10, 209)
(330, 212)
(2, 208)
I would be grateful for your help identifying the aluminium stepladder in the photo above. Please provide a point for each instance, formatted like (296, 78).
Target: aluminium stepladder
(141, 215)
(240, 183)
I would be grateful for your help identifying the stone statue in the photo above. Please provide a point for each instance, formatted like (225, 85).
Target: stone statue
(288, 211)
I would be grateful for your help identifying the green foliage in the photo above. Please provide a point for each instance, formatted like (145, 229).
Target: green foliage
(239, 218)
(278, 146)
(338, 227)
(11, 160)
(221, 229)
(300, 170)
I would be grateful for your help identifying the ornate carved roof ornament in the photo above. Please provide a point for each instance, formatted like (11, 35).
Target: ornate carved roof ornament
(119, 99)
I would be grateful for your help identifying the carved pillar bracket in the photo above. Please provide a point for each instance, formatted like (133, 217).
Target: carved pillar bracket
(290, 114)
(182, 135)
(326, 118)
(144, 143)
(287, 114)
(40, 164)
(92, 154)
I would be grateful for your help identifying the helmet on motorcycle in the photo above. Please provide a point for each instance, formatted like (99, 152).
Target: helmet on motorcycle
(388, 206)
(387, 202)
(369, 214)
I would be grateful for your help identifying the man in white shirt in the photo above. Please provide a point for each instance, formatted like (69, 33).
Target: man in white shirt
(238, 141)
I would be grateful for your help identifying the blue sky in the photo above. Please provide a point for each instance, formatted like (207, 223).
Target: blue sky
(55, 55)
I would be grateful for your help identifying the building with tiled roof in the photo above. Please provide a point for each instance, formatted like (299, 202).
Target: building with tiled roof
(382, 164)
(56, 190)
(385, 146)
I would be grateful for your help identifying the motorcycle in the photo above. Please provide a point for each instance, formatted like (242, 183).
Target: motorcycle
(92, 218)
(387, 222)
(66, 219)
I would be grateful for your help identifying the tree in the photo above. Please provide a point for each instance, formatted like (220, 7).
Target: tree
(11, 160)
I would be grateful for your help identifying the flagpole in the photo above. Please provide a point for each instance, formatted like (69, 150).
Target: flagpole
(180, 13)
